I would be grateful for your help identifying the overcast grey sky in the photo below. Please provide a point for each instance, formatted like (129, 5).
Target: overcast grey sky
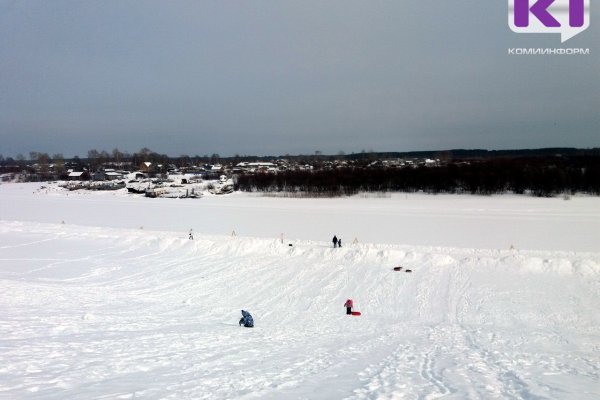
(271, 77)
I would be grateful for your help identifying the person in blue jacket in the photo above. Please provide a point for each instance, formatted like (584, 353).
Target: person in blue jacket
(247, 320)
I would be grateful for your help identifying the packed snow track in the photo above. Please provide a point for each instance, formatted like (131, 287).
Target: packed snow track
(107, 313)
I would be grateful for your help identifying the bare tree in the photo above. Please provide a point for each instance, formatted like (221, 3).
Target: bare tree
(43, 161)
(103, 157)
(59, 163)
(20, 160)
(93, 159)
(117, 156)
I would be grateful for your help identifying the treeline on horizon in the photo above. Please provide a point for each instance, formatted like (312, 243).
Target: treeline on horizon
(541, 172)
(539, 176)
(145, 154)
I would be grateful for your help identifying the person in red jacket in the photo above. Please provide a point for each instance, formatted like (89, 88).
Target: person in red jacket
(348, 304)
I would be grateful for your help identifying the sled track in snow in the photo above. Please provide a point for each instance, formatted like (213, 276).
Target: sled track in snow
(94, 312)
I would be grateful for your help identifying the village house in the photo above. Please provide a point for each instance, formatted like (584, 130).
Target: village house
(78, 176)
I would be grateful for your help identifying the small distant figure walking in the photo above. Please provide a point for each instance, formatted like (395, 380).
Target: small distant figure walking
(339, 242)
(246, 319)
(348, 304)
(335, 241)
(191, 237)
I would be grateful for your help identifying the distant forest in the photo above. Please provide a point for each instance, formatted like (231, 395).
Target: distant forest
(539, 175)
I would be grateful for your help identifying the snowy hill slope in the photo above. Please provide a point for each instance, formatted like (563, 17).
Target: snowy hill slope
(114, 313)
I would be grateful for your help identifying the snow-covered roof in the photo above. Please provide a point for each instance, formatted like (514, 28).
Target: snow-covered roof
(255, 164)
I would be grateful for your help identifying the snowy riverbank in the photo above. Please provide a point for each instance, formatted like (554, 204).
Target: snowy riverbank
(465, 221)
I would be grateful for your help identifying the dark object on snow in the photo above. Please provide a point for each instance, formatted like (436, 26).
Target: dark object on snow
(246, 320)
(408, 270)
(290, 245)
(397, 268)
(356, 313)
(335, 241)
(339, 242)
(348, 304)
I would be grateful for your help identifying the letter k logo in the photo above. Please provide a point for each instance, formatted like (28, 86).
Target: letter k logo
(567, 17)
(539, 9)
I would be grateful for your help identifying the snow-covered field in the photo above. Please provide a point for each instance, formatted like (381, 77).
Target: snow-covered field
(102, 296)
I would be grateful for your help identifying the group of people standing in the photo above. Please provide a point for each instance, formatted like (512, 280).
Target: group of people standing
(337, 242)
